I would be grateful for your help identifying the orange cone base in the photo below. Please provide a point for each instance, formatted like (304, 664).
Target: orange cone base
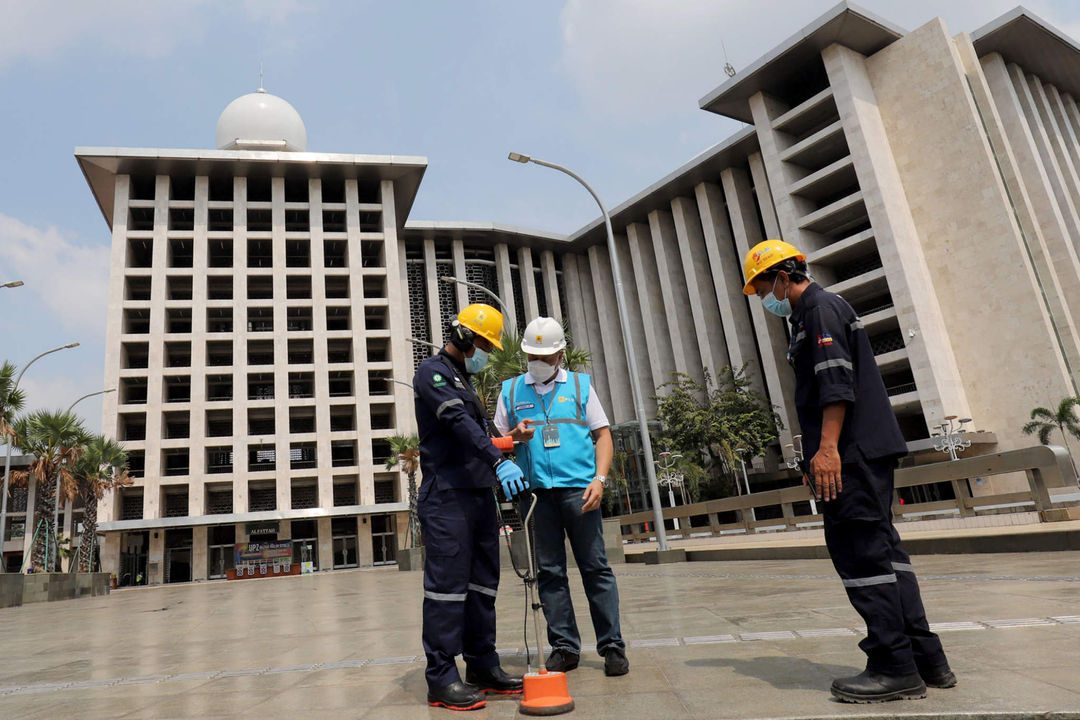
(546, 693)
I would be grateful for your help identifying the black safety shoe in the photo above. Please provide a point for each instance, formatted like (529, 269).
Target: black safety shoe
(562, 660)
(938, 676)
(456, 696)
(495, 680)
(615, 662)
(872, 687)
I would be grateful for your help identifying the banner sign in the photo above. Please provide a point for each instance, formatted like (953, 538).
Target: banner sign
(264, 558)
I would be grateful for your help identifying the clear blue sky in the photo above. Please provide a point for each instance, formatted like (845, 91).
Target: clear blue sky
(609, 87)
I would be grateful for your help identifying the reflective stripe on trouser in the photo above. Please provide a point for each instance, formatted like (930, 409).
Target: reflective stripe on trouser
(461, 579)
(876, 572)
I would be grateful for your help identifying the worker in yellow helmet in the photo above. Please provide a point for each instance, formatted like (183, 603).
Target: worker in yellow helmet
(853, 441)
(458, 515)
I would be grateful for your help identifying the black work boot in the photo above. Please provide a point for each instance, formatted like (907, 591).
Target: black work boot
(872, 687)
(562, 660)
(456, 696)
(938, 676)
(615, 662)
(494, 680)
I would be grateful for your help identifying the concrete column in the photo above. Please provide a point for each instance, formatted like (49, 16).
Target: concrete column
(200, 554)
(708, 326)
(326, 544)
(776, 375)
(618, 376)
(551, 285)
(358, 303)
(398, 297)
(155, 558)
(431, 285)
(1062, 142)
(594, 322)
(790, 209)
(155, 373)
(459, 272)
(726, 278)
(324, 471)
(505, 276)
(282, 437)
(365, 556)
(678, 323)
(528, 284)
(110, 553)
(638, 343)
(240, 400)
(1049, 244)
(654, 320)
(579, 331)
(933, 362)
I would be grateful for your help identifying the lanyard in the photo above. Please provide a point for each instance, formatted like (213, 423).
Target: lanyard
(554, 389)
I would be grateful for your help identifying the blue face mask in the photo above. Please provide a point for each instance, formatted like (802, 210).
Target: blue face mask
(476, 362)
(782, 308)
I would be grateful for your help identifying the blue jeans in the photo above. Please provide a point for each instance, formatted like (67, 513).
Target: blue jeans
(558, 511)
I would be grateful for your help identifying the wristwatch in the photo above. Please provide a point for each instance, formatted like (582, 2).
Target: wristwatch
(602, 479)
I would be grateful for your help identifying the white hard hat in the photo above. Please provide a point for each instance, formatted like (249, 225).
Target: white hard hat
(543, 336)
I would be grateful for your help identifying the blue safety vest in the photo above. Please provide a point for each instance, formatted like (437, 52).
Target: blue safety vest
(573, 463)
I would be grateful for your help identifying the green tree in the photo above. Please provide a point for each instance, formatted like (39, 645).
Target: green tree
(719, 421)
(1044, 422)
(406, 454)
(102, 467)
(56, 440)
(11, 399)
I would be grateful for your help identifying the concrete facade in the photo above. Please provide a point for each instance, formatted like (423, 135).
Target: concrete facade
(932, 179)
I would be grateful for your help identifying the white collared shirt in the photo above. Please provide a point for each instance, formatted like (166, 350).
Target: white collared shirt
(595, 417)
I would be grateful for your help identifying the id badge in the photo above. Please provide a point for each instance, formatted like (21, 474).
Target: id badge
(550, 434)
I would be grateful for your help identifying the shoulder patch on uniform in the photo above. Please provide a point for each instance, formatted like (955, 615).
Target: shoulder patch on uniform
(437, 380)
(824, 340)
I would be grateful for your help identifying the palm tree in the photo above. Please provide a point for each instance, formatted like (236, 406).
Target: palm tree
(406, 453)
(11, 400)
(101, 468)
(56, 441)
(1044, 422)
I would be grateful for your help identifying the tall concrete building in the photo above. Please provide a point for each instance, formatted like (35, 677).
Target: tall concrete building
(261, 296)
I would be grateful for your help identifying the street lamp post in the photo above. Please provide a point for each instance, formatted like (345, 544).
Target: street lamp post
(951, 438)
(7, 459)
(12, 284)
(56, 503)
(631, 358)
(476, 286)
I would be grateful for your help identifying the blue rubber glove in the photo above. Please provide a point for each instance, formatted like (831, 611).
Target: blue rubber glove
(511, 477)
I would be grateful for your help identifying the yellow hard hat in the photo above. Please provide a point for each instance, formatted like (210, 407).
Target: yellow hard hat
(484, 320)
(763, 256)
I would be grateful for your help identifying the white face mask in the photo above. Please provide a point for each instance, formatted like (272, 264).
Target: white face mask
(540, 371)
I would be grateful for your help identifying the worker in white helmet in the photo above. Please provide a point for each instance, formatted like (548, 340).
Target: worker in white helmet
(565, 451)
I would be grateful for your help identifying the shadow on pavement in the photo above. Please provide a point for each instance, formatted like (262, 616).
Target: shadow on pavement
(783, 673)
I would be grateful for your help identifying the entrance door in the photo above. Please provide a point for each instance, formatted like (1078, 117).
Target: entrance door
(178, 565)
(133, 548)
(345, 552)
(222, 559)
(383, 539)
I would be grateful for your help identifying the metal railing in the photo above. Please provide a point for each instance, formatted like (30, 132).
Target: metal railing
(1046, 467)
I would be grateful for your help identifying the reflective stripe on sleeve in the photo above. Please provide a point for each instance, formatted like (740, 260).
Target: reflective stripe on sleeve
(856, 325)
(483, 590)
(903, 567)
(866, 582)
(838, 362)
(448, 404)
(448, 597)
(800, 336)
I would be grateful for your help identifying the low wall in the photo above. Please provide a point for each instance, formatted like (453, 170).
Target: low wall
(17, 589)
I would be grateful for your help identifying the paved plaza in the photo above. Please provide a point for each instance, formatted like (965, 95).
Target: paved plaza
(707, 640)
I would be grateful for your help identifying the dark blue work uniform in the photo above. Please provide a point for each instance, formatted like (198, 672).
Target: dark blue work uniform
(834, 362)
(457, 513)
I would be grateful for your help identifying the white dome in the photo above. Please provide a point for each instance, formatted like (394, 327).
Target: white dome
(261, 121)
